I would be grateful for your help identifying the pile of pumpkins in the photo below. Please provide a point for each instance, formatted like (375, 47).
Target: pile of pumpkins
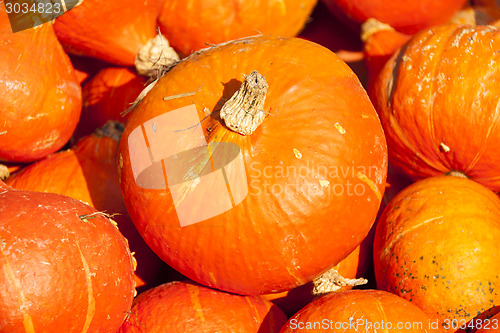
(251, 166)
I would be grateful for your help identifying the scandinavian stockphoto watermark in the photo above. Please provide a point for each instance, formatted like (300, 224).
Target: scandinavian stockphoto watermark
(170, 152)
(27, 14)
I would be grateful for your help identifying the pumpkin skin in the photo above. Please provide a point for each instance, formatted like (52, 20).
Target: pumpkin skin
(455, 275)
(60, 272)
(378, 47)
(113, 31)
(355, 265)
(88, 172)
(41, 99)
(368, 308)
(407, 17)
(274, 240)
(110, 92)
(185, 307)
(194, 25)
(456, 116)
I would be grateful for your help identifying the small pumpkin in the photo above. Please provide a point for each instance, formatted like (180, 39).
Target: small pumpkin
(88, 172)
(407, 17)
(437, 100)
(436, 245)
(113, 30)
(380, 42)
(276, 234)
(109, 93)
(194, 25)
(41, 98)
(185, 307)
(352, 311)
(63, 266)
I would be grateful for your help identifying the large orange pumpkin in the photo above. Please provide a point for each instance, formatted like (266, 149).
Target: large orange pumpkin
(112, 30)
(438, 102)
(367, 311)
(196, 24)
(184, 307)
(88, 172)
(41, 99)
(405, 16)
(285, 214)
(63, 266)
(436, 245)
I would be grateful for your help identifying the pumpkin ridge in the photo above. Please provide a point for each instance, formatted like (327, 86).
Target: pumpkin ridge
(407, 230)
(27, 321)
(493, 125)
(380, 307)
(90, 292)
(432, 77)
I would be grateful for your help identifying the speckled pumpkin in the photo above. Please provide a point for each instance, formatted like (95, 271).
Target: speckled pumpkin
(436, 244)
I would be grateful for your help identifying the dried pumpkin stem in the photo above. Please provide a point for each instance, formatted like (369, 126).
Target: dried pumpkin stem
(155, 56)
(371, 26)
(456, 173)
(4, 172)
(112, 129)
(244, 111)
(332, 281)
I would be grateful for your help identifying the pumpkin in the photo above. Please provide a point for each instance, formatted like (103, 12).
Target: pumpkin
(41, 99)
(109, 93)
(360, 311)
(380, 42)
(436, 245)
(88, 172)
(113, 31)
(193, 25)
(407, 17)
(355, 265)
(63, 266)
(325, 29)
(184, 307)
(274, 231)
(437, 101)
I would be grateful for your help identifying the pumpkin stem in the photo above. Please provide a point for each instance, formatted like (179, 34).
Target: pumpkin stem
(371, 26)
(244, 111)
(112, 129)
(456, 173)
(155, 56)
(332, 281)
(473, 16)
(4, 172)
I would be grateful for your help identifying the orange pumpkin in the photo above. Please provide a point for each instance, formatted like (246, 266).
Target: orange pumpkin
(193, 25)
(405, 16)
(110, 92)
(41, 99)
(87, 172)
(437, 100)
(436, 245)
(63, 266)
(380, 42)
(353, 311)
(317, 159)
(184, 307)
(112, 30)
